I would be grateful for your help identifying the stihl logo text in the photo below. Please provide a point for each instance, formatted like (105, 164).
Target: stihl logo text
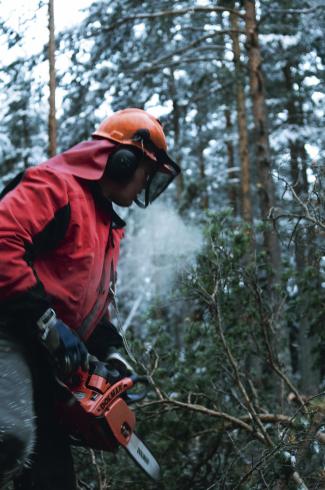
(142, 455)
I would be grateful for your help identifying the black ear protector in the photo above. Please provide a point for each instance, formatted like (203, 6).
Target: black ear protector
(123, 163)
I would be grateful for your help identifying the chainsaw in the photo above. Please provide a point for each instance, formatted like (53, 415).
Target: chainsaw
(95, 413)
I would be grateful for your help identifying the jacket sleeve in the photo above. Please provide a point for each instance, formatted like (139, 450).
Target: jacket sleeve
(25, 213)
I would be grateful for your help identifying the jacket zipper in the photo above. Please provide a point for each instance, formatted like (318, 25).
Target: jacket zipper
(84, 327)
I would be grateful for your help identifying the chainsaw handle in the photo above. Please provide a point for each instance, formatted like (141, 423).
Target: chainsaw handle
(136, 397)
(136, 378)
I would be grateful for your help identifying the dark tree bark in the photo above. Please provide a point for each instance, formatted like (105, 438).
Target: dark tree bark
(176, 116)
(52, 81)
(263, 158)
(246, 205)
(232, 173)
(303, 242)
(204, 197)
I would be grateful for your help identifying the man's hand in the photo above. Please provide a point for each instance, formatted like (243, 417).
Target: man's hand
(66, 349)
(71, 353)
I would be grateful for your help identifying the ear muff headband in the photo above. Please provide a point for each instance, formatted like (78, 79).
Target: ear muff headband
(122, 164)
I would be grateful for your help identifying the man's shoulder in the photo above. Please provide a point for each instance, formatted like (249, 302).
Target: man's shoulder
(43, 170)
(48, 175)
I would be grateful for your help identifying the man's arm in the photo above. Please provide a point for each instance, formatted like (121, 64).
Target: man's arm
(33, 216)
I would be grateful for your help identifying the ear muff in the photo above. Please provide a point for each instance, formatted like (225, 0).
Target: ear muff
(122, 164)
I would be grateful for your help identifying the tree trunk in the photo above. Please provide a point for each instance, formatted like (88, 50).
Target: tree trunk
(203, 184)
(263, 158)
(309, 376)
(232, 173)
(246, 205)
(52, 81)
(177, 134)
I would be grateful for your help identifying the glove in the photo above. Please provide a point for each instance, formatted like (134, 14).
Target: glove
(66, 349)
(71, 353)
(104, 339)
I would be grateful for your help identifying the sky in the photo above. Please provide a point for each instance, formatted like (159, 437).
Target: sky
(67, 12)
(25, 15)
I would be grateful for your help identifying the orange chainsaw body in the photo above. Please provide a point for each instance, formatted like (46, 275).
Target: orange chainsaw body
(95, 415)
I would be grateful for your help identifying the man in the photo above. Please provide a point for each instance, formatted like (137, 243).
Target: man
(59, 247)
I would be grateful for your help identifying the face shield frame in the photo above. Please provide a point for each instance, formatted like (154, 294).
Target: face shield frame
(163, 175)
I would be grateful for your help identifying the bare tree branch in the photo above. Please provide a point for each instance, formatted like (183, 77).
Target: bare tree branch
(235, 422)
(296, 11)
(234, 365)
(266, 327)
(169, 13)
(276, 213)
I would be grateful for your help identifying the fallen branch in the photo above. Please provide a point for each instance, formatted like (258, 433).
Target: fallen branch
(235, 422)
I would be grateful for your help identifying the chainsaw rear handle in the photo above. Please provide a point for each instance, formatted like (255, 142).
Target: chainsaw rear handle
(136, 397)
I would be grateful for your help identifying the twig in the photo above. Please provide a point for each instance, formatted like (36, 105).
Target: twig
(274, 364)
(101, 484)
(307, 215)
(234, 421)
(256, 467)
(233, 363)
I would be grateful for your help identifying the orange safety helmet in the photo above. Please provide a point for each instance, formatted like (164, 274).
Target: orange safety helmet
(136, 127)
(122, 125)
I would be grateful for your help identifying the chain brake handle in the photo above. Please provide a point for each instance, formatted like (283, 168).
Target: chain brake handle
(128, 397)
(136, 397)
(81, 377)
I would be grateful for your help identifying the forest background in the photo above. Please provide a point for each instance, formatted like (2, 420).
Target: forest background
(222, 284)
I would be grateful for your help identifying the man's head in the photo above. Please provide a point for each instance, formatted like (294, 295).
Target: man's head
(122, 183)
(140, 164)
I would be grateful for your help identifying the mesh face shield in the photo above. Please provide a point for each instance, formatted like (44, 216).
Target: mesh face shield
(157, 183)
(165, 172)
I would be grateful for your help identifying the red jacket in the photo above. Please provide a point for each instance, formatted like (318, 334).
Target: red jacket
(56, 232)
